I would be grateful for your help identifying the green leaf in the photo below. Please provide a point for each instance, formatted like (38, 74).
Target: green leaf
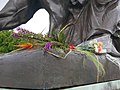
(94, 59)
(61, 35)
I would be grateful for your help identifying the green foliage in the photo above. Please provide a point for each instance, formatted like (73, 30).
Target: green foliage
(7, 41)
(61, 35)
(94, 59)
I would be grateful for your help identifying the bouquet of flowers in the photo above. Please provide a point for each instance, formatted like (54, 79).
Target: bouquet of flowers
(58, 47)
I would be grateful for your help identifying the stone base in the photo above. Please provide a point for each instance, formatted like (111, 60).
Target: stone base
(35, 69)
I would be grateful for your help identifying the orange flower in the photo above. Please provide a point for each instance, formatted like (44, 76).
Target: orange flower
(25, 46)
(99, 43)
(98, 47)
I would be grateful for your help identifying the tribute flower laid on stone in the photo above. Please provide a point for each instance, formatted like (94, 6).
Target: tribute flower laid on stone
(98, 46)
(71, 46)
(21, 30)
(15, 35)
(18, 32)
(25, 46)
(45, 41)
(48, 46)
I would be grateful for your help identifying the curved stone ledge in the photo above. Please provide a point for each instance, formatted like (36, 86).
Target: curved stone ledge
(35, 69)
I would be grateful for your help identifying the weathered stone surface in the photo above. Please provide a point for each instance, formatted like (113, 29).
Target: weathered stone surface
(38, 70)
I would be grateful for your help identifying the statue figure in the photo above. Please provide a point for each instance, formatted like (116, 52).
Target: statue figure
(89, 19)
(61, 13)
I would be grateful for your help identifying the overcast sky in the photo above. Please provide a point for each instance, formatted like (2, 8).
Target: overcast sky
(38, 23)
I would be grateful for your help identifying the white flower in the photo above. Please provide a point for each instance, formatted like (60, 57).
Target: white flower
(96, 48)
(92, 42)
(15, 31)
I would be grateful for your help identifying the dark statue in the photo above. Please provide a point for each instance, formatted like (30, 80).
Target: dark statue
(90, 19)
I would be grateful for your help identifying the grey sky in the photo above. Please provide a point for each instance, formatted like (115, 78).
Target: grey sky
(2, 3)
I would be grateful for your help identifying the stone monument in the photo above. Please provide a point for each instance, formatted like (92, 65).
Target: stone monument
(88, 19)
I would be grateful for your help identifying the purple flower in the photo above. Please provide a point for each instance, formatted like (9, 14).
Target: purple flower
(48, 46)
(15, 35)
(18, 28)
(21, 30)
